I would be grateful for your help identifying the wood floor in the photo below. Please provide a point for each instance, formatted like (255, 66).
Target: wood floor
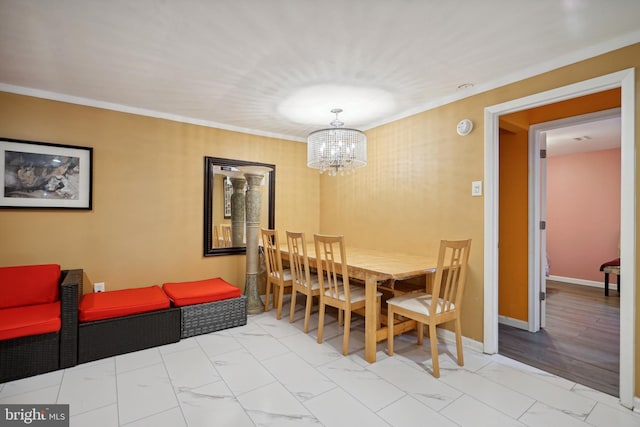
(581, 341)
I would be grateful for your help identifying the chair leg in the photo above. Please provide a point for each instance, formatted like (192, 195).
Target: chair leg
(434, 350)
(266, 296)
(459, 341)
(280, 298)
(606, 284)
(307, 313)
(390, 330)
(340, 318)
(293, 304)
(320, 322)
(420, 332)
(347, 330)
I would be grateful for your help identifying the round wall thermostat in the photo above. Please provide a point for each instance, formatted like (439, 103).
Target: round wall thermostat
(464, 127)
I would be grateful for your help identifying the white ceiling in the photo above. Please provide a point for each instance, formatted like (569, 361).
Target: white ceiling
(604, 134)
(267, 67)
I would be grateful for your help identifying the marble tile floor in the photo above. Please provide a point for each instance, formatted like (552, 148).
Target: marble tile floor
(269, 373)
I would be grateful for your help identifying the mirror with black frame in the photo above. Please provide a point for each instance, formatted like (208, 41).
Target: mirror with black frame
(224, 227)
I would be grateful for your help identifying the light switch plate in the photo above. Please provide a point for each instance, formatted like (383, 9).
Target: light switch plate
(476, 188)
(98, 287)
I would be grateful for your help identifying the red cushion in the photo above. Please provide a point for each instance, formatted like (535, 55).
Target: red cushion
(201, 291)
(105, 305)
(29, 285)
(612, 263)
(29, 320)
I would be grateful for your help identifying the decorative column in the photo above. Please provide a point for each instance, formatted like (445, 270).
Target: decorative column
(237, 210)
(254, 176)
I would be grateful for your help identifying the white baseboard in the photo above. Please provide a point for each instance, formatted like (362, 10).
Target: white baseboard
(510, 321)
(636, 404)
(583, 282)
(450, 337)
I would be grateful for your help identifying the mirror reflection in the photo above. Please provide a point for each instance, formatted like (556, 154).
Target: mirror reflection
(224, 204)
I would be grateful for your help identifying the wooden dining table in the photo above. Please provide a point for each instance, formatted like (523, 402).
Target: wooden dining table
(377, 267)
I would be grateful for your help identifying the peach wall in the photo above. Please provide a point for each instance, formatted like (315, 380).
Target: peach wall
(583, 212)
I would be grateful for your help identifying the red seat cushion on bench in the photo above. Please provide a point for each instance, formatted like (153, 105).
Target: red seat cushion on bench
(200, 291)
(29, 320)
(106, 305)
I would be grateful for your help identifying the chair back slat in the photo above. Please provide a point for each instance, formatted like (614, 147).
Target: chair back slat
(451, 273)
(216, 236)
(272, 255)
(332, 266)
(226, 234)
(298, 259)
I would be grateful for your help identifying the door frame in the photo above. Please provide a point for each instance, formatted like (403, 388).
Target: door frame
(537, 196)
(537, 234)
(625, 80)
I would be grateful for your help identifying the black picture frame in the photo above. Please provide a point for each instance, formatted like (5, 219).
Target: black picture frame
(44, 175)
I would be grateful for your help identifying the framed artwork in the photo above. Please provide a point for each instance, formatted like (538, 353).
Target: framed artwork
(228, 191)
(44, 175)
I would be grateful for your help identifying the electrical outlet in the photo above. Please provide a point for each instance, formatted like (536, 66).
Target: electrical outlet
(476, 188)
(98, 287)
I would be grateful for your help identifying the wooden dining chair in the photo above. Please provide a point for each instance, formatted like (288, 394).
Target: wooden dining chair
(333, 276)
(226, 234)
(443, 304)
(303, 280)
(277, 276)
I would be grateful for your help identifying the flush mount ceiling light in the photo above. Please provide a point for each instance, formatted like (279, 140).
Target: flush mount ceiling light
(336, 149)
(363, 105)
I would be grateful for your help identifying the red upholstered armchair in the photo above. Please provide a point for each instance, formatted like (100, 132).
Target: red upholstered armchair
(38, 319)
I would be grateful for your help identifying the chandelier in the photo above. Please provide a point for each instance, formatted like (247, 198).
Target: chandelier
(336, 149)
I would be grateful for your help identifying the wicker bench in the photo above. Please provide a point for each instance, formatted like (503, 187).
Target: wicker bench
(207, 305)
(124, 321)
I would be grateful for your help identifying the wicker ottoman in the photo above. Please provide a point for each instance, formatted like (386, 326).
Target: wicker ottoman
(120, 335)
(213, 316)
(207, 305)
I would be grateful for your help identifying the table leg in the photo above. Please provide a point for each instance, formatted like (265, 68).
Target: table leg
(370, 319)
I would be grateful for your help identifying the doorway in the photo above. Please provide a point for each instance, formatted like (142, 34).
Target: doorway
(626, 81)
(576, 192)
(595, 235)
